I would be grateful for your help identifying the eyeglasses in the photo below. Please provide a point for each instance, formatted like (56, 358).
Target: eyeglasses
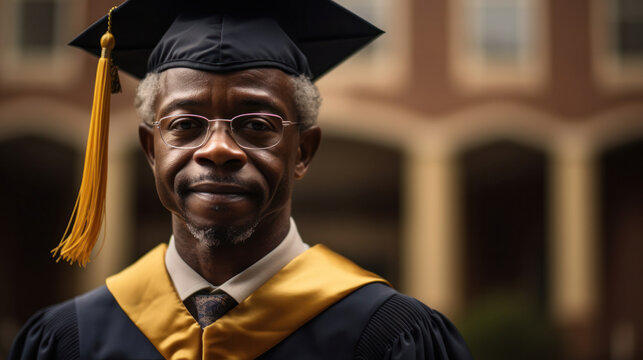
(250, 131)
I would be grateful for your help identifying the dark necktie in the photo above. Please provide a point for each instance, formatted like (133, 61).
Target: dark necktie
(210, 307)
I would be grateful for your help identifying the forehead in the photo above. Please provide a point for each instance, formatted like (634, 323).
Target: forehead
(267, 87)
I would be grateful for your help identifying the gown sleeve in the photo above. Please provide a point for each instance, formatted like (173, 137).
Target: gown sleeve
(405, 329)
(51, 333)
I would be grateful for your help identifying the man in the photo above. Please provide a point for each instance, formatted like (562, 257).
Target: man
(229, 111)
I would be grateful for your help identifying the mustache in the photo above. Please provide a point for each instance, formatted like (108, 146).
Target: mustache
(183, 186)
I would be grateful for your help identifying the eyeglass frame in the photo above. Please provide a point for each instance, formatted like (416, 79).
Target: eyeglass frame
(284, 123)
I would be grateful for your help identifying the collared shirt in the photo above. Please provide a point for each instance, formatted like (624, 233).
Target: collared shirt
(187, 281)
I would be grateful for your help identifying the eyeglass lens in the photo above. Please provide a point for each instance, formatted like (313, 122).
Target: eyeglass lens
(254, 131)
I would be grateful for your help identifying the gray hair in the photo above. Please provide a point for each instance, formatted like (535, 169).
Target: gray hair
(307, 101)
(146, 94)
(305, 94)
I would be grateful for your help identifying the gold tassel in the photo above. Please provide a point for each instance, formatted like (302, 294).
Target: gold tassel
(86, 221)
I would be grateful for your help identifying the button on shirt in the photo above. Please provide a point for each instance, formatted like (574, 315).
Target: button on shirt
(187, 281)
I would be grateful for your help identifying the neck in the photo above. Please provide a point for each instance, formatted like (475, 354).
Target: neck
(219, 263)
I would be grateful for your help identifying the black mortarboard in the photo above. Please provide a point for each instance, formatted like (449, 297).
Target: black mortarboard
(297, 36)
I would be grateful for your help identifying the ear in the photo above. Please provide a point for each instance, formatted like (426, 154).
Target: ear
(309, 140)
(146, 137)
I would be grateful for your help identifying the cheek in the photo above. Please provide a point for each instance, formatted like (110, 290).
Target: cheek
(167, 165)
(279, 173)
(271, 167)
(276, 171)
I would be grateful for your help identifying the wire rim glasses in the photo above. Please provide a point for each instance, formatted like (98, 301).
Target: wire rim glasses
(250, 131)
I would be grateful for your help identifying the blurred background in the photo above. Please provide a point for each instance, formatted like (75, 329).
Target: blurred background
(486, 156)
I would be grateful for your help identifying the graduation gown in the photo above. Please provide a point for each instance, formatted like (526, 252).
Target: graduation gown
(319, 306)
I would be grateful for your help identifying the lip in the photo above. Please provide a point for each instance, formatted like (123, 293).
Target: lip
(218, 188)
(213, 192)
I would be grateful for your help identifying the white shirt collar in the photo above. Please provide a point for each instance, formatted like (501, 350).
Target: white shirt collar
(187, 281)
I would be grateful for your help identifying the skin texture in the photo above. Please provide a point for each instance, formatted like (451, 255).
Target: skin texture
(221, 185)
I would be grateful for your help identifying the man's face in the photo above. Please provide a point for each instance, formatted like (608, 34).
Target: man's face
(221, 192)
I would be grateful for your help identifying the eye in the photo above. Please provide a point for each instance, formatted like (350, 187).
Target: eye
(184, 123)
(256, 123)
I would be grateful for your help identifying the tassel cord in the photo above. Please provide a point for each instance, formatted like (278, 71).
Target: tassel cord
(87, 217)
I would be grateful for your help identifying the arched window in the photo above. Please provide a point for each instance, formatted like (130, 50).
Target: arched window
(621, 248)
(504, 222)
(349, 201)
(38, 186)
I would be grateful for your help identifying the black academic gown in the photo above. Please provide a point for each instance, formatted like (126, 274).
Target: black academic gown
(373, 321)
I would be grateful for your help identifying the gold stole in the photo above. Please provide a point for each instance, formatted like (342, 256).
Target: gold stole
(301, 290)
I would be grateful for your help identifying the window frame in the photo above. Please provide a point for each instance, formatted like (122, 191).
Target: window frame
(20, 66)
(473, 72)
(610, 69)
(386, 63)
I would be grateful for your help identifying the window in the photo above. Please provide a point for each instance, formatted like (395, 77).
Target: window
(373, 64)
(627, 26)
(374, 11)
(499, 32)
(35, 34)
(497, 42)
(37, 25)
(617, 36)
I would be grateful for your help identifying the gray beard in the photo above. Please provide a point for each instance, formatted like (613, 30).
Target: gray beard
(214, 237)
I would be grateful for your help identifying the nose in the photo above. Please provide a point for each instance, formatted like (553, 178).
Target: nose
(220, 148)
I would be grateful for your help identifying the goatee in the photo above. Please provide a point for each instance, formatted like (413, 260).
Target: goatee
(216, 236)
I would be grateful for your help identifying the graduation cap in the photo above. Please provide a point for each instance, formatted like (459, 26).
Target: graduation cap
(231, 35)
(307, 37)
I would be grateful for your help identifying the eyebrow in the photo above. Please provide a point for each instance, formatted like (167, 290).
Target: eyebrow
(180, 104)
(256, 102)
(267, 102)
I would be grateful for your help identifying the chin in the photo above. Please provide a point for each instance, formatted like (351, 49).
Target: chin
(218, 236)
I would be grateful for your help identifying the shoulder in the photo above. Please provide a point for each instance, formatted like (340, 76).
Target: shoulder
(50, 333)
(334, 332)
(90, 326)
(403, 327)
